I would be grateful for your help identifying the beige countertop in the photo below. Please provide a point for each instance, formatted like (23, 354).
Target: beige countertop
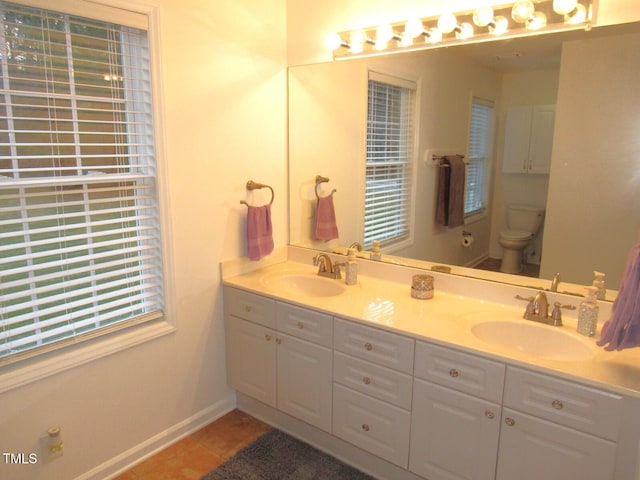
(448, 319)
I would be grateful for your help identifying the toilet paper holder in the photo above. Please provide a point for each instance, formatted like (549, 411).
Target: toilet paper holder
(467, 239)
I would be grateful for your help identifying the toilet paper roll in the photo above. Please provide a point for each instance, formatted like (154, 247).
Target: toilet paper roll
(466, 241)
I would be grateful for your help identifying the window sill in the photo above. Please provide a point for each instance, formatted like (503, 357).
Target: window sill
(38, 368)
(476, 217)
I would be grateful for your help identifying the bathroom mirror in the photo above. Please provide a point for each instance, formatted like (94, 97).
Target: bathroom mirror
(590, 196)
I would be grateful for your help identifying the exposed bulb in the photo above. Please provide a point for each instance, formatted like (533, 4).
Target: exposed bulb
(384, 33)
(499, 26)
(447, 22)
(333, 41)
(537, 21)
(358, 38)
(563, 7)
(483, 16)
(577, 15)
(433, 35)
(522, 10)
(465, 31)
(413, 28)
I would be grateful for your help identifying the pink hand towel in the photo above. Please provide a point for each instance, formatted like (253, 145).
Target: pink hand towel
(326, 228)
(259, 232)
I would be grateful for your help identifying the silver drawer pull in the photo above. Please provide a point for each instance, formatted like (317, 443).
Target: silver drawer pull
(248, 308)
(366, 380)
(300, 325)
(267, 337)
(365, 427)
(489, 414)
(368, 346)
(453, 372)
(510, 421)
(557, 404)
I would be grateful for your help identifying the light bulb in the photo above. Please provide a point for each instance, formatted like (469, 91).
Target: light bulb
(578, 15)
(562, 7)
(384, 33)
(537, 21)
(358, 37)
(499, 25)
(483, 16)
(447, 22)
(333, 41)
(413, 28)
(433, 36)
(522, 10)
(465, 31)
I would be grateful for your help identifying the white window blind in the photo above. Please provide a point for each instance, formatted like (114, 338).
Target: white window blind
(79, 234)
(480, 132)
(389, 160)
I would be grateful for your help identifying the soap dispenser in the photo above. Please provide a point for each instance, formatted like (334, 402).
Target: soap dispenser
(598, 283)
(351, 268)
(588, 314)
(375, 251)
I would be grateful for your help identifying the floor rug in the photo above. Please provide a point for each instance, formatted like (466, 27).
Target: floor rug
(278, 456)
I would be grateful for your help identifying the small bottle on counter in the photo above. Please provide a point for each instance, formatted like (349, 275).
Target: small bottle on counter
(351, 268)
(375, 251)
(598, 283)
(588, 314)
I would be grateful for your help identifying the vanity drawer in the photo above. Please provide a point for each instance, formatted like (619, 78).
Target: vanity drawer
(373, 380)
(299, 322)
(372, 425)
(374, 345)
(583, 408)
(249, 306)
(466, 373)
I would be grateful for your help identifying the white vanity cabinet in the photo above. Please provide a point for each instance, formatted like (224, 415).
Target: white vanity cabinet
(555, 429)
(372, 389)
(456, 412)
(290, 371)
(529, 139)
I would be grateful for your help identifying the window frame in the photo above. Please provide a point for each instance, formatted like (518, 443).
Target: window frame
(403, 241)
(27, 370)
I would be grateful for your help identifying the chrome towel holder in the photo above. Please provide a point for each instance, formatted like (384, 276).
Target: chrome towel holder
(320, 179)
(251, 185)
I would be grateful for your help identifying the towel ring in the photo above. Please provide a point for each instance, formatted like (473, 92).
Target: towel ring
(320, 179)
(437, 160)
(251, 185)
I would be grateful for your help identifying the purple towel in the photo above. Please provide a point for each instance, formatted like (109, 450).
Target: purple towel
(622, 330)
(451, 183)
(259, 232)
(326, 228)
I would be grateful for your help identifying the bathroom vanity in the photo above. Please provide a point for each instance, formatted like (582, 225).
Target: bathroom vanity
(404, 388)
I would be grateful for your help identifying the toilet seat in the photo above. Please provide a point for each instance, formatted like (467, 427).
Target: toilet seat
(515, 235)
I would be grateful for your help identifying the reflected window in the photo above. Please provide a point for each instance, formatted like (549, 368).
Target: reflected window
(479, 151)
(389, 160)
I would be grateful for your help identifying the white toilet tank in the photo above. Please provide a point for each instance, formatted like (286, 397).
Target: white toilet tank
(525, 217)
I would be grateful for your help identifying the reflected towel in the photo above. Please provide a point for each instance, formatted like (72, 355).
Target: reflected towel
(326, 228)
(259, 232)
(622, 330)
(451, 183)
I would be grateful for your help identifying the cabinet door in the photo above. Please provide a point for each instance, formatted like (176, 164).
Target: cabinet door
(532, 449)
(541, 143)
(454, 436)
(251, 359)
(515, 156)
(304, 380)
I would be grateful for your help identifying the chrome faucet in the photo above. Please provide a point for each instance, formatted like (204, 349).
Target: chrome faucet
(538, 310)
(555, 282)
(325, 267)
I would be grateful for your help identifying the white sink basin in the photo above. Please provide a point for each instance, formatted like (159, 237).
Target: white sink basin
(302, 284)
(543, 341)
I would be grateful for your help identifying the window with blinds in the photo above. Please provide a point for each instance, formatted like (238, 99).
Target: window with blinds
(480, 133)
(80, 251)
(389, 160)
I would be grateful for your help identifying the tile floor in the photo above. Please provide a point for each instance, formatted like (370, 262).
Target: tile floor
(200, 452)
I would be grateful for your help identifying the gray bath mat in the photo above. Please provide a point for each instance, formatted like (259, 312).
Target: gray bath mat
(278, 456)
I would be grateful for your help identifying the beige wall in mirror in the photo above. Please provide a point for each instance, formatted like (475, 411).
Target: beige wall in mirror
(591, 196)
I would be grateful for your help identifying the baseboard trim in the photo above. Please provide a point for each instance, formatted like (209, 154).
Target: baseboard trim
(129, 458)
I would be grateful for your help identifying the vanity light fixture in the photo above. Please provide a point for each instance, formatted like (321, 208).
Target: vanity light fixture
(518, 18)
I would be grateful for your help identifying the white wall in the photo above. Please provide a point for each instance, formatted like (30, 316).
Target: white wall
(224, 65)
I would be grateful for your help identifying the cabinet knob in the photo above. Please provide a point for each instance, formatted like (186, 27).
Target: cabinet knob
(453, 372)
(248, 308)
(368, 346)
(489, 414)
(267, 337)
(300, 325)
(278, 341)
(510, 421)
(557, 404)
(365, 427)
(366, 380)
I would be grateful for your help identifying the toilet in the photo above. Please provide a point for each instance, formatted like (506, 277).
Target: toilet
(523, 222)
